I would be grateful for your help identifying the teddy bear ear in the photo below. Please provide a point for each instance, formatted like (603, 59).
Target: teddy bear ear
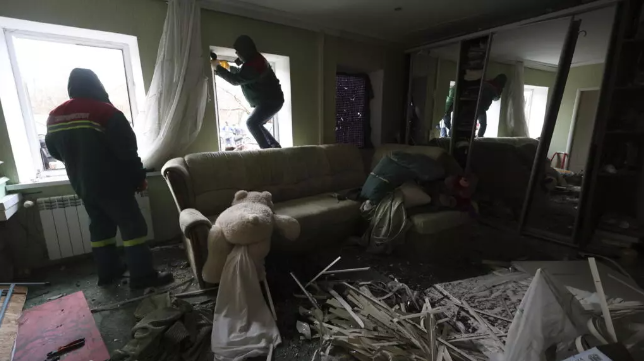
(240, 195)
(267, 196)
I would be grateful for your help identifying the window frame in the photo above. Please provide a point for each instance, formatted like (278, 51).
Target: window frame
(16, 107)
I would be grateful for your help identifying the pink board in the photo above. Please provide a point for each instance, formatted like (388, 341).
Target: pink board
(56, 323)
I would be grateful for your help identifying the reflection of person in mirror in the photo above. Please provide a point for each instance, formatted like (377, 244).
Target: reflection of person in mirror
(260, 86)
(491, 91)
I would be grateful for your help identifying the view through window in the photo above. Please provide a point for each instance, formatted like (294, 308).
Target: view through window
(44, 68)
(233, 110)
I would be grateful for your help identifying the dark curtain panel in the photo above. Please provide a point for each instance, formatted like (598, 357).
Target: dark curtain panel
(352, 116)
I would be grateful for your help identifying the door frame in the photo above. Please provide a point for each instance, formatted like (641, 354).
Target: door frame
(573, 122)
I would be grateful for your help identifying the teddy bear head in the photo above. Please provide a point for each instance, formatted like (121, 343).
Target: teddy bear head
(265, 198)
(249, 220)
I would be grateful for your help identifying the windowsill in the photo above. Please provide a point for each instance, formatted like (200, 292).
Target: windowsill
(51, 182)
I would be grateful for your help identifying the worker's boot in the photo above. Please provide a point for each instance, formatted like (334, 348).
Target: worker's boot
(142, 272)
(109, 266)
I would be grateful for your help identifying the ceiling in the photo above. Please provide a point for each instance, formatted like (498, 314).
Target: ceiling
(416, 21)
(539, 45)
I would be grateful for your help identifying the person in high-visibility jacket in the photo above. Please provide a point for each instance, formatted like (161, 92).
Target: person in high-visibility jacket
(98, 147)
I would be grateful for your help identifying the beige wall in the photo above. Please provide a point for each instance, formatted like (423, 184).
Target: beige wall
(582, 77)
(144, 19)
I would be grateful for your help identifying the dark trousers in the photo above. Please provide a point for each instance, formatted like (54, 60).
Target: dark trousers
(255, 122)
(106, 215)
(482, 124)
(447, 120)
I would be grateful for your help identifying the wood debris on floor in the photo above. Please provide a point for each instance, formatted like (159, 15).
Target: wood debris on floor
(9, 324)
(369, 320)
(463, 320)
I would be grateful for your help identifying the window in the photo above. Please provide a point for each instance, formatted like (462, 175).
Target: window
(233, 108)
(352, 96)
(536, 99)
(35, 62)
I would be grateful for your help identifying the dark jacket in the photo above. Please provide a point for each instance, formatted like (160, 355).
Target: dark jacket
(94, 140)
(256, 77)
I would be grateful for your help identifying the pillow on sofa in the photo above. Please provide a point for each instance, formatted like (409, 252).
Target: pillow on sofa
(395, 169)
(413, 195)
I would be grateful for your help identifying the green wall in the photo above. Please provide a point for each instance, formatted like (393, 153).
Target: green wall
(311, 101)
(359, 57)
(582, 77)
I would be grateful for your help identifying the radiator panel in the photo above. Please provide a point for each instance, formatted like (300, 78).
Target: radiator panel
(65, 225)
(62, 231)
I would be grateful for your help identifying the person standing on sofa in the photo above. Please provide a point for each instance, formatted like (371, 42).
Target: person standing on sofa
(98, 147)
(260, 86)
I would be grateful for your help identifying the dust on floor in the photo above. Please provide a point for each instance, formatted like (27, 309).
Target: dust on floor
(115, 325)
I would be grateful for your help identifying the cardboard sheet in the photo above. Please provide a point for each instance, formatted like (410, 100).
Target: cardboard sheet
(56, 323)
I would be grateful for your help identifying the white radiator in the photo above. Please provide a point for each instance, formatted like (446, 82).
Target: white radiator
(65, 225)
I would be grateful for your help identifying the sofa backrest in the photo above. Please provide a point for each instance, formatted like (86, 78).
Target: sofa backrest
(208, 181)
(448, 162)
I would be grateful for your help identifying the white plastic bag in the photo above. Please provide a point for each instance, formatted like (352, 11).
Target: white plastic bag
(549, 314)
(243, 325)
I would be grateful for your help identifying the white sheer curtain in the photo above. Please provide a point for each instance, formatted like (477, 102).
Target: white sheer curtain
(176, 101)
(514, 120)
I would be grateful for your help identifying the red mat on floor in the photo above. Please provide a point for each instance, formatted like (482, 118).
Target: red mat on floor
(56, 323)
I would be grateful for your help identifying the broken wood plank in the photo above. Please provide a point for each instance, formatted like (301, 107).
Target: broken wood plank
(306, 293)
(324, 270)
(422, 314)
(349, 270)
(466, 356)
(626, 284)
(125, 302)
(9, 327)
(270, 301)
(196, 293)
(485, 325)
(602, 299)
(347, 307)
(448, 357)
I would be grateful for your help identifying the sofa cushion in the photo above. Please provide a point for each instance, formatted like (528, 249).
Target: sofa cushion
(319, 211)
(288, 173)
(434, 222)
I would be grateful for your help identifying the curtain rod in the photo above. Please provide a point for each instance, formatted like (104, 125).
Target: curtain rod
(595, 5)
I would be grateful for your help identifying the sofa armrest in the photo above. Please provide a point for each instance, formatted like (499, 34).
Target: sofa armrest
(191, 218)
(176, 174)
(195, 228)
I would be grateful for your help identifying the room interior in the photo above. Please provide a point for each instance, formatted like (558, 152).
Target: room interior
(538, 48)
(410, 55)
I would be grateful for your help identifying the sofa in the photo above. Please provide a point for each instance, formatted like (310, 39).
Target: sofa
(304, 181)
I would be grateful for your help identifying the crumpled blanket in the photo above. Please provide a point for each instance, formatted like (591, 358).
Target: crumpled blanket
(388, 224)
(169, 330)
